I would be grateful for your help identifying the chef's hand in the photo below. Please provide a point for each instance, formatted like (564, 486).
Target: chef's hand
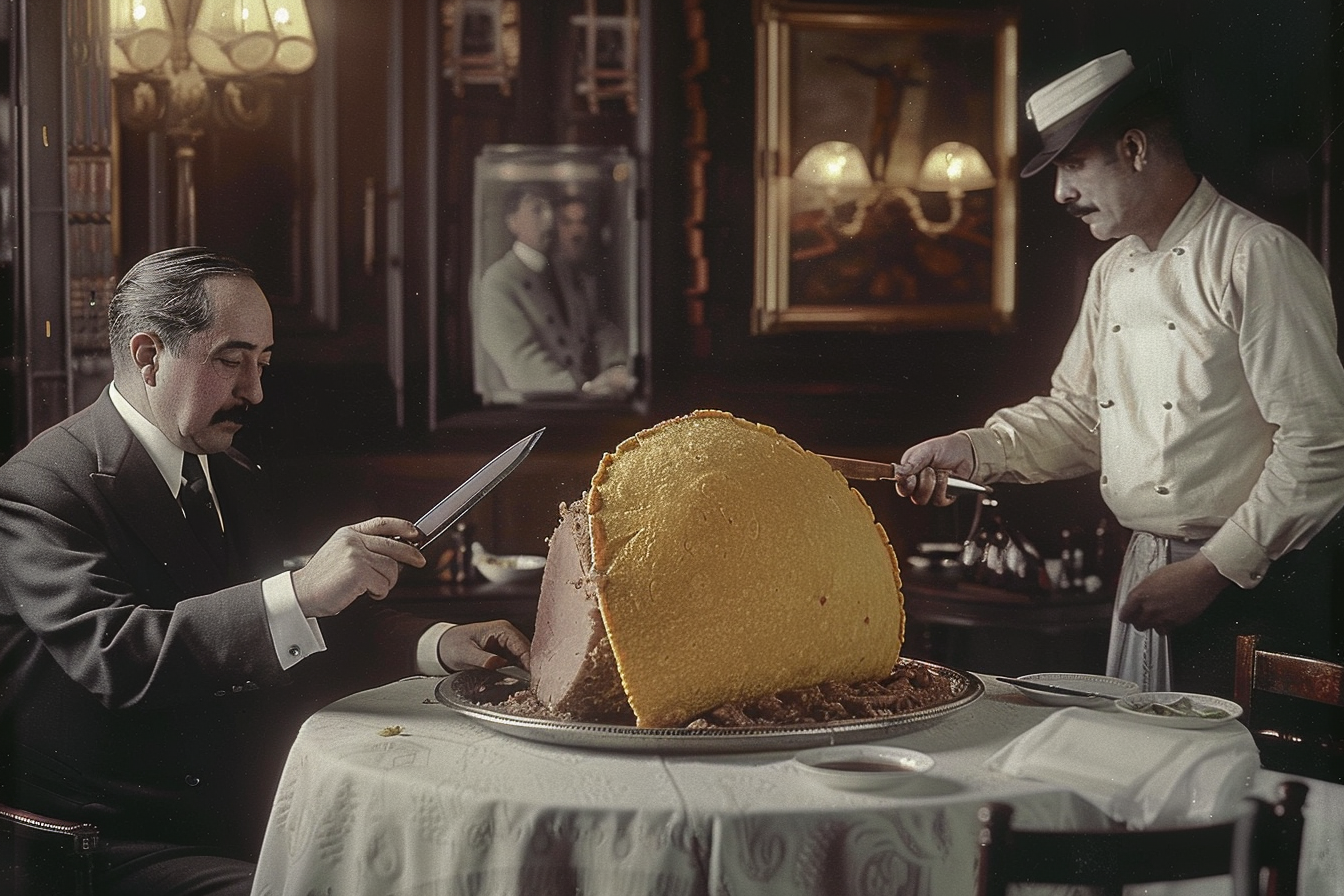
(484, 645)
(356, 560)
(1173, 595)
(922, 473)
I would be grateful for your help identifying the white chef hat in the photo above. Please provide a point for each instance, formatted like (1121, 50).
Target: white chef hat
(1061, 108)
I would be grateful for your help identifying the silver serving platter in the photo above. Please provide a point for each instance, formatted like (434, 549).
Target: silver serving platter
(475, 692)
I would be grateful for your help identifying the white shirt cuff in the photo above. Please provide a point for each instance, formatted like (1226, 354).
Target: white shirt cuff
(1236, 555)
(294, 635)
(427, 650)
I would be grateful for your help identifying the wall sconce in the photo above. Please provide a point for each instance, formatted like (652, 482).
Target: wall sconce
(178, 63)
(839, 171)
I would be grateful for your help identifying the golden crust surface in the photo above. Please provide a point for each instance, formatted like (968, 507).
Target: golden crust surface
(735, 563)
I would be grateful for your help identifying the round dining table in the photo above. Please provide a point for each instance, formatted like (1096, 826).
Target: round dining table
(389, 792)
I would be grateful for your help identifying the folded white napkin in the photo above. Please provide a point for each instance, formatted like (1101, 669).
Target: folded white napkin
(1141, 774)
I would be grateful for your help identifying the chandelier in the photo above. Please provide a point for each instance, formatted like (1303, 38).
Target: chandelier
(180, 65)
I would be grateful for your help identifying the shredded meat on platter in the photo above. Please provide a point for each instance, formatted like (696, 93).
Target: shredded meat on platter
(910, 687)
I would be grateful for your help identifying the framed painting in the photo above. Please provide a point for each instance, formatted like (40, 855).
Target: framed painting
(481, 43)
(886, 143)
(555, 315)
(604, 56)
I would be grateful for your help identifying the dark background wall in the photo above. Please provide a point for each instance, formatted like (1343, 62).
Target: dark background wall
(1262, 81)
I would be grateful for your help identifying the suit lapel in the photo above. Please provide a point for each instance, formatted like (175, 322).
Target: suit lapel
(134, 488)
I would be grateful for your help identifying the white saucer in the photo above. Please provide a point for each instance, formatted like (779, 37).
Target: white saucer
(1134, 703)
(863, 766)
(1112, 688)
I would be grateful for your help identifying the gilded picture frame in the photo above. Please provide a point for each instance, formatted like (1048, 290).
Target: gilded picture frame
(900, 248)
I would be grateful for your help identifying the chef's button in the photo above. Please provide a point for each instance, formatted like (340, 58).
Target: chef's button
(1161, 489)
(1166, 405)
(1104, 480)
(1171, 325)
(294, 650)
(1108, 403)
(192, 781)
(1115, 328)
(1256, 576)
(220, 693)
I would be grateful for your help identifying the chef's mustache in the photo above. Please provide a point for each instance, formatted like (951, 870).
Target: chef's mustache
(1077, 209)
(237, 415)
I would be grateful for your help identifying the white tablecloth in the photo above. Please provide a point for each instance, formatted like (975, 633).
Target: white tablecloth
(450, 807)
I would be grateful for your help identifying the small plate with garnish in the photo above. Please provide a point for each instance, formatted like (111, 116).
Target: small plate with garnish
(1176, 709)
(863, 766)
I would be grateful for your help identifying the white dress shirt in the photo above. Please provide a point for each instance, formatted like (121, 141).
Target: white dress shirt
(1203, 380)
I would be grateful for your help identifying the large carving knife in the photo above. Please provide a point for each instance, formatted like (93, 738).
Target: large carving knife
(853, 468)
(465, 496)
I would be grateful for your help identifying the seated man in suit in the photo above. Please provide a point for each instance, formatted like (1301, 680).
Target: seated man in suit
(537, 335)
(154, 664)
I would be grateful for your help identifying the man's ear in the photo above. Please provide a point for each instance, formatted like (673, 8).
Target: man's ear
(145, 350)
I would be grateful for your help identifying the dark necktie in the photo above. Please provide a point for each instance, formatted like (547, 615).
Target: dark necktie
(199, 507)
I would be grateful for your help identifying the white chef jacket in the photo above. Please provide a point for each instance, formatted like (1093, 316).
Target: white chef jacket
(1203, 380)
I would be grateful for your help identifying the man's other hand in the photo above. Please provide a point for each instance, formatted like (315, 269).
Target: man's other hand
(484, 645)
(922, 473)
(361, 559)
(1173, 595)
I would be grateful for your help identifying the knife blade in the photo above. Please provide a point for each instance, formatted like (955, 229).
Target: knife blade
(853, 468)
(461, 499)
(1052, 689)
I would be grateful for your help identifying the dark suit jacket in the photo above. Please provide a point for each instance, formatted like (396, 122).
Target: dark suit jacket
(139, 687)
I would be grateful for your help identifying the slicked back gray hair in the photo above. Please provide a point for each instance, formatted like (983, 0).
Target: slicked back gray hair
(165, 294)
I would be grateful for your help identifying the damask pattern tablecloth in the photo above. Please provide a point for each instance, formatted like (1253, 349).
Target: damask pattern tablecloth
(450, 807)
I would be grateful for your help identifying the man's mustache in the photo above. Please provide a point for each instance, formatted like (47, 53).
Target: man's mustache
(1077, 209)
(239, 415)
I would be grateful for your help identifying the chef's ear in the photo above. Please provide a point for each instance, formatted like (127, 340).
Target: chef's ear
(145, 350)
(1134, 145)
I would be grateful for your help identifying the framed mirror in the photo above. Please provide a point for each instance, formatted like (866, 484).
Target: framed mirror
(554, 309)
(886, 189)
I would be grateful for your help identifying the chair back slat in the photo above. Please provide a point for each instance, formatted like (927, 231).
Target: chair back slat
(1261, 836)
(1296, 676)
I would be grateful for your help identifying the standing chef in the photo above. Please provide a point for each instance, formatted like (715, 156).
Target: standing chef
(1202, 380)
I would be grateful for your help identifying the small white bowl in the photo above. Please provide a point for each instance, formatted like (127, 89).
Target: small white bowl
(510, 567)
(863, 766)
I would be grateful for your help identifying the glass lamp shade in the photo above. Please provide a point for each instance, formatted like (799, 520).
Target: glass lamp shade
(141, 35)
(296, 49)
(835, 166)
(232, 37)
(954, 168)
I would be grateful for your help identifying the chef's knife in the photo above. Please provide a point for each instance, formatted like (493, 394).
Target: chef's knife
(477, 486)
(871, 469)
(1052, 688)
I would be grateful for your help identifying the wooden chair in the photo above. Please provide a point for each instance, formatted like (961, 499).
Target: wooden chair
(44, 855)
(1314, 748)
(1264, 835)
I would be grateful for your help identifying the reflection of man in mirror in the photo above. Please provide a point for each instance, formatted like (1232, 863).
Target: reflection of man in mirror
(539, 329)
